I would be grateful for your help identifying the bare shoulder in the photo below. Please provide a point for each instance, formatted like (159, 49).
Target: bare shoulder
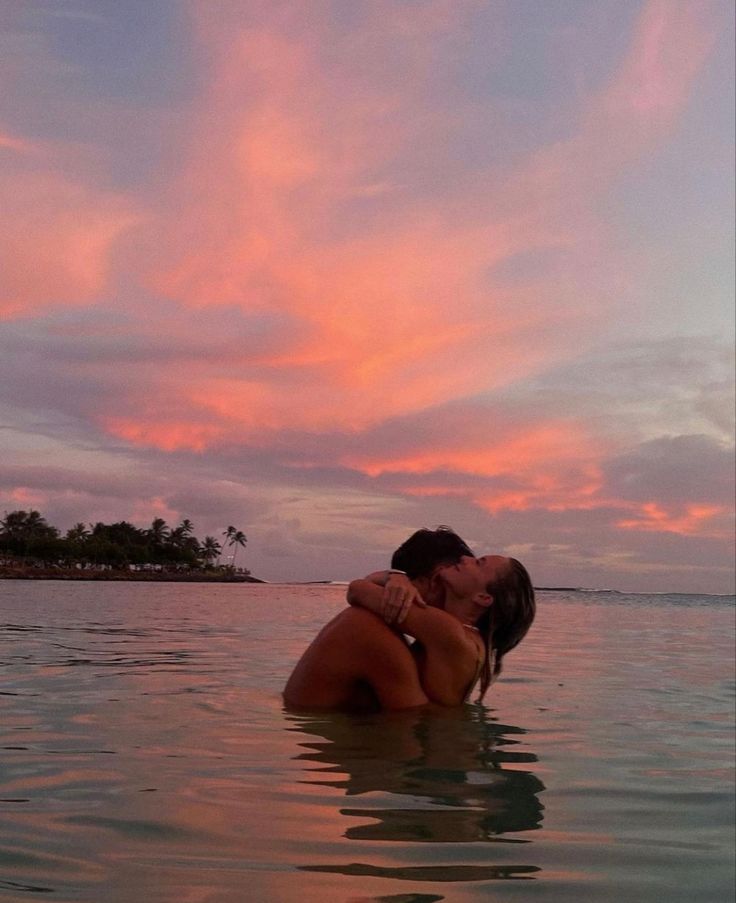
(439, 630)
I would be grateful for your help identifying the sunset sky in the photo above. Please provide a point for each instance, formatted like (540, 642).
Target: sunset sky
(333, 270)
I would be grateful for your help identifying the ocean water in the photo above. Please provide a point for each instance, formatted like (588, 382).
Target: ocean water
(145, 755)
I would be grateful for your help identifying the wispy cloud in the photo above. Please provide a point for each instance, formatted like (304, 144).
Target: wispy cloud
(57, 234)
(348, 270)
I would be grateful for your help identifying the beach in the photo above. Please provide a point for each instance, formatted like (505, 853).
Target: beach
(145, 754)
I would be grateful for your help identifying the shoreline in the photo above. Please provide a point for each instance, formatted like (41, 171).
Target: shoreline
(125, 576)
(8, 573)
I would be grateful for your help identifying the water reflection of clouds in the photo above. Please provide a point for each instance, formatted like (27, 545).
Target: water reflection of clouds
(448, 776)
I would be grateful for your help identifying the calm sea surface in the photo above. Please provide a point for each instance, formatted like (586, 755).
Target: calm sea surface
(145, 755)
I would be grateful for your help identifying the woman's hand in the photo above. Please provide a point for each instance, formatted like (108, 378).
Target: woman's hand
(399, 594)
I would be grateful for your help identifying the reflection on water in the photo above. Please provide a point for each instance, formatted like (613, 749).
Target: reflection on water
(145, 755)
(449, 776)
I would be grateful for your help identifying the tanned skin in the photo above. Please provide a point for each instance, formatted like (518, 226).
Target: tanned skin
(355, 662)
(358, 662)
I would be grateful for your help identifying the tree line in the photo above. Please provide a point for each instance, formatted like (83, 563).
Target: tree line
(28, 535)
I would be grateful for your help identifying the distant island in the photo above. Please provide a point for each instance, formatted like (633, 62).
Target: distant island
(33, 549)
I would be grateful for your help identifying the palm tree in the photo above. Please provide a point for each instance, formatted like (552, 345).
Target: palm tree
(78, 533)
(27, 525)
(14, 523)
(177, 537)
(181, 536)
(210, 549)
(228, 534)
(158, 531)
(22, 529)
(237, 538)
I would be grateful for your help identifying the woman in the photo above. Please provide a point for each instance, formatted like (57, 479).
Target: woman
(357, 661)
(491, 604)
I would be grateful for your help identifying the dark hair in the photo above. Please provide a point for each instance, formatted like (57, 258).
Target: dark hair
(426, 550)
(504, 624)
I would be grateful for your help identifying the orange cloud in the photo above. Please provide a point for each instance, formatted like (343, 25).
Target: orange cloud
(289, 205)
(507, 454)
(692, 519)
(375, 239)
(56, 234)
(396, 308)
(167, 435)
(30, 498)
(551, 465)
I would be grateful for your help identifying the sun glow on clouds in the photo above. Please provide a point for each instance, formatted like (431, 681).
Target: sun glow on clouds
(166, 435)
(25, 497)
(390, 309)
(550, 466)
(400, 310)
(56, 234)
(369, 260)
(690, 520)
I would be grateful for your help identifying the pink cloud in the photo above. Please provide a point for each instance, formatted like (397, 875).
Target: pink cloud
(641, 101)
(693, 519)
(402, 312)
(18, 145)
(167, 435)
(23, 496)
(670, 43)
(350, 294)
(56, 234)
(496, 462)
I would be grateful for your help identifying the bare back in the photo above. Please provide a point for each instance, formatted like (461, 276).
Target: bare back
(353, 660)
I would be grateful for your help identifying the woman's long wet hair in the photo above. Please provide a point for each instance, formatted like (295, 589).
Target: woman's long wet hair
(505, 623)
